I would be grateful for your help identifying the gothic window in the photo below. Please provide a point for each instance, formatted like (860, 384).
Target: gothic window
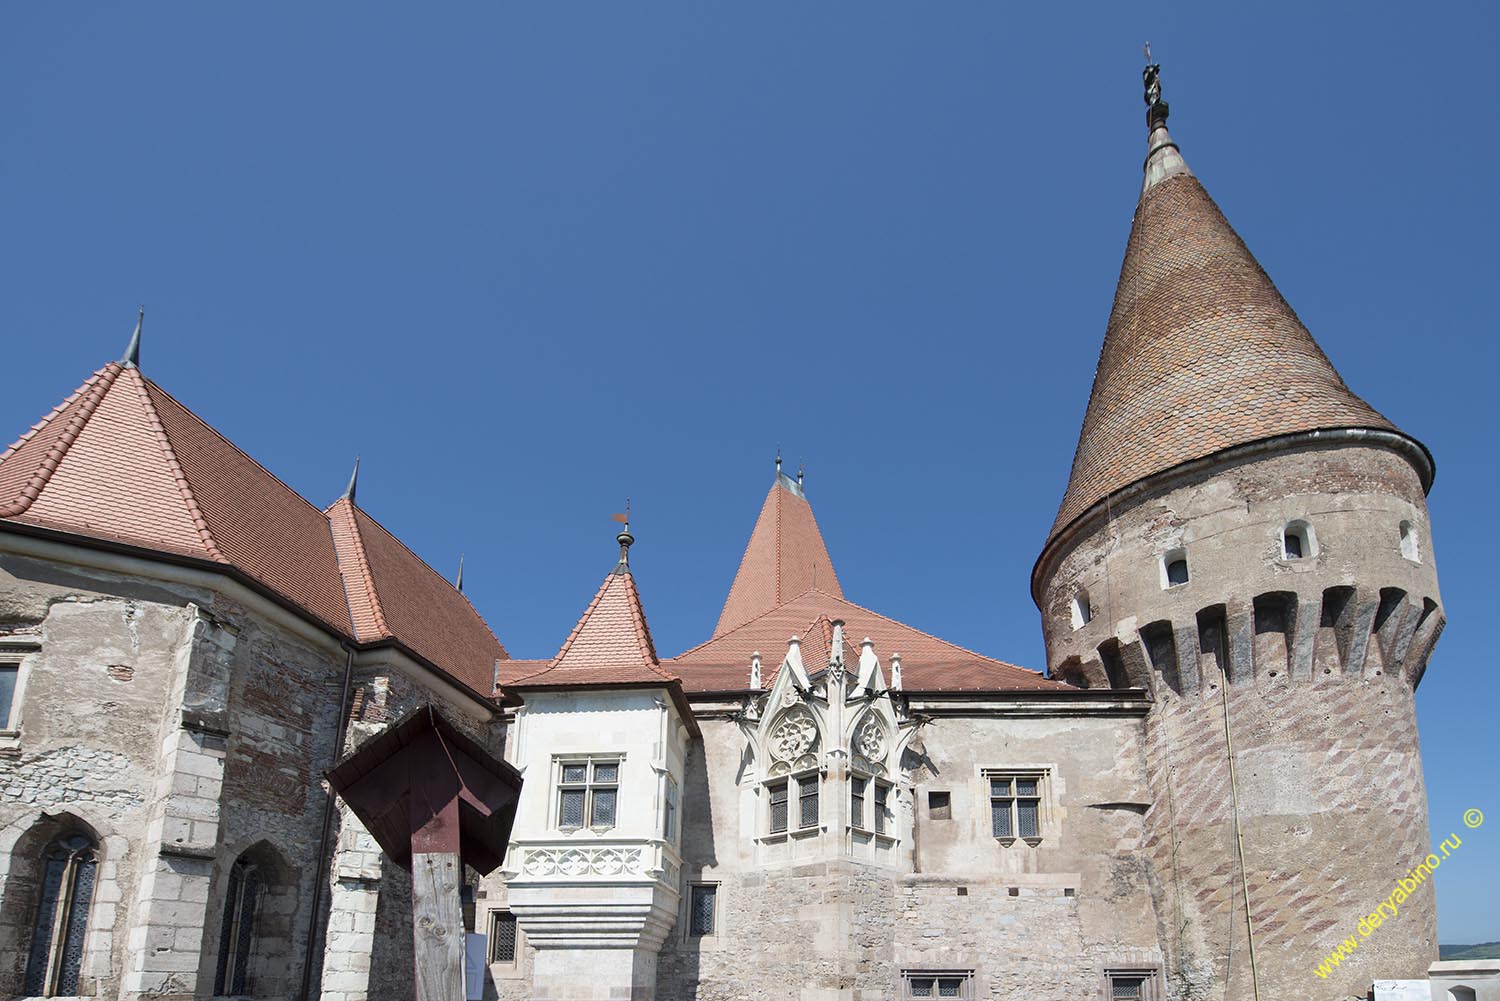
(857, 786)
(588, 791)
(702, 906)
(502, 937)
(799, 791)
(1016, 804)
(937, 983)
(882, 806)
(669, 811)
(237, 933)
(62, 916)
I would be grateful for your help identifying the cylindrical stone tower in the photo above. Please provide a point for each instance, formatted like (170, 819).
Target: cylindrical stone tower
(1248, 540)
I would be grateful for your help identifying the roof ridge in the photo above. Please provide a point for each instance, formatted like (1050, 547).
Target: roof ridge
(94, 388)
(179, 476)
(642, 630)
(362, 566)
(428, 566)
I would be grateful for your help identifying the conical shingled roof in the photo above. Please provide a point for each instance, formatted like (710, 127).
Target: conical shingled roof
(610, 645)
(786, 556)
(1201, 354)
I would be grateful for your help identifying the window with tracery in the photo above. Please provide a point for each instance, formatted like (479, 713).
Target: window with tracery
(58, 934)
(237, 934)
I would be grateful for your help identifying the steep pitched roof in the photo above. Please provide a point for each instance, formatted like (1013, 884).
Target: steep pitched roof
(785, 557)
(610, 645)
(393, 594)
(122, 460)
(1201, 353)
(927, 662)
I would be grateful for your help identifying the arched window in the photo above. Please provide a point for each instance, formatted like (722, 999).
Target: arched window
(237, 934)
(62, 916)
(1174, 568)
(1298, 541)
(1409, 542)
(1083, 612)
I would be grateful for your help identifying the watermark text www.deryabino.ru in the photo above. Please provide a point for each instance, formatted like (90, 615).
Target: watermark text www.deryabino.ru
(1390, 907)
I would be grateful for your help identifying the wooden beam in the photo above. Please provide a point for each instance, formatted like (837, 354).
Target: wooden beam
(436, 875)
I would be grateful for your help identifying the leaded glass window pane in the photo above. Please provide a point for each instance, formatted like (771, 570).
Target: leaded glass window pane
(882, 795)
(701, 919)
(1026, 815)
(1126, 988)
(607, 772)
(574, 773)
(604, 808)
(807, 795)
(778, 807)
(857, 801)
(571, 814)
(950, 987)
(1000, 818)
(1025, 787)
(65, 896)
(999, 787)
(502, 937)
(922, 988)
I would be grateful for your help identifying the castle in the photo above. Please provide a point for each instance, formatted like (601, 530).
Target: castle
(1216, 777)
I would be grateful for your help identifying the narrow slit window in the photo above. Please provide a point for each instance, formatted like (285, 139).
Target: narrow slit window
(882, 806)
(10, 673)
(857, 786)
(1409, 548)
(1297, 541)
(1083, 612)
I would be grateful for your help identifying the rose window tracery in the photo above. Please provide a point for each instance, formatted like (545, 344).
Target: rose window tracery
(793, 736)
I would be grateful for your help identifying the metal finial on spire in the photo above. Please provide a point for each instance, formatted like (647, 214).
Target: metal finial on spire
(1156, 108)
(801, 472)
(132, 357)
(459, 581)
(353, 480)
(625, 539)
(778, 462)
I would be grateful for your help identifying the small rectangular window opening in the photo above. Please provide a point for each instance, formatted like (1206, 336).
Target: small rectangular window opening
(502, 937)
(701, 909)
(940, 805)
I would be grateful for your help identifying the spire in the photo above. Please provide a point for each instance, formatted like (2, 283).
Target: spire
(1201, 353)
(353, 480)
(625, 539)
(132, 358)
(1163, 159)
(786, 557)
(459, 580)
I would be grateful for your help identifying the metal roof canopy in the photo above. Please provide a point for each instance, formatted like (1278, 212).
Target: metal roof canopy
(402, 782)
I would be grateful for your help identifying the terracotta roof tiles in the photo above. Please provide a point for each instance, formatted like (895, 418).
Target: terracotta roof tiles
(785, 556)
(610, 645)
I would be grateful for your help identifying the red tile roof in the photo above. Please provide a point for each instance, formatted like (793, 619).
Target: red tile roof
(1201, 354)
(121, 460)
(927, 663)
(393, 594)
(610, 645)
(785, 557)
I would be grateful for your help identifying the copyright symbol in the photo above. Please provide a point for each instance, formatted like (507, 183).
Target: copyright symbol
(1473, 818)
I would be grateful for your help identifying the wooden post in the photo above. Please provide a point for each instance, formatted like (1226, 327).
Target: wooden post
(436, 875)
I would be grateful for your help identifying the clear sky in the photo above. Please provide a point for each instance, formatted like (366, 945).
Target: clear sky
(531, 259)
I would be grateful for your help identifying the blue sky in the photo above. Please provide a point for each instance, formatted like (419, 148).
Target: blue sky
(531, 259)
